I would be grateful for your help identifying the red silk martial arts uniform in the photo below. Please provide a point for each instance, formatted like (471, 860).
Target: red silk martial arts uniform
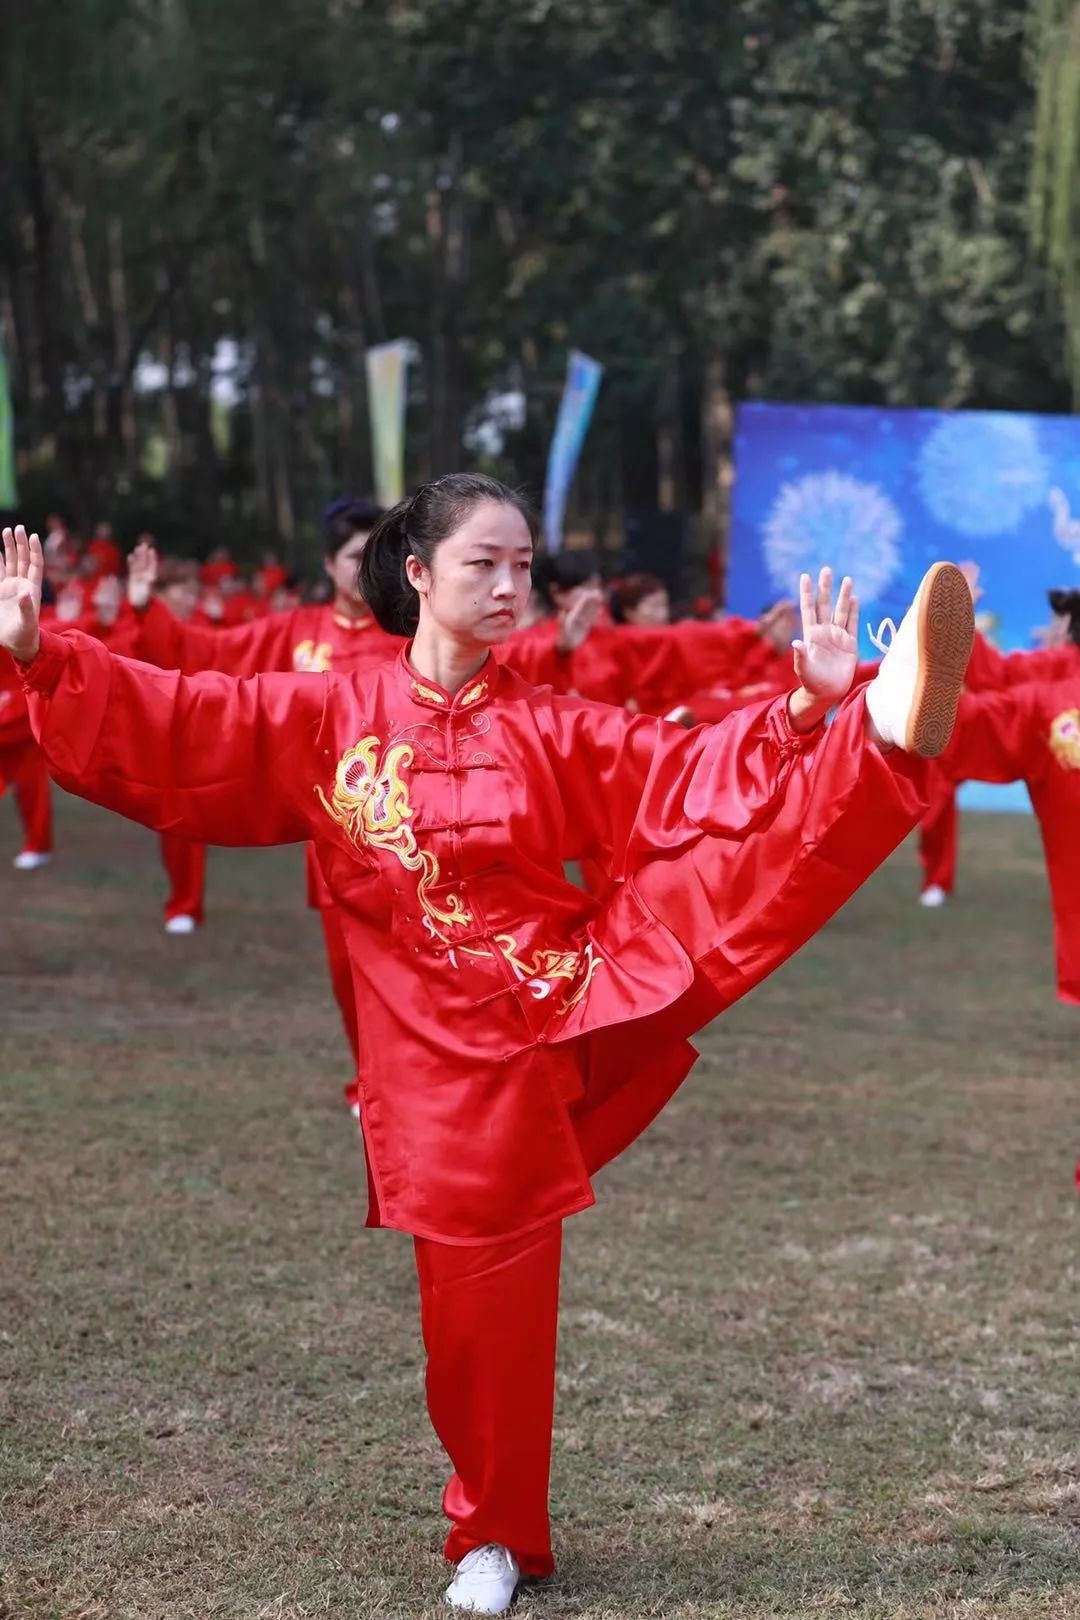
(1031, 734)
(22, 765)
(989, 671)
(992, 671)
(312, 640)
(515, 1034)
(309, 639)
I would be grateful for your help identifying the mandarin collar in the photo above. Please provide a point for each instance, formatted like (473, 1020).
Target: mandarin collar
(430, 695)
(345, 623)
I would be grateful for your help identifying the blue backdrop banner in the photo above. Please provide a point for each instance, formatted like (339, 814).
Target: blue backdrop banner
(881, 494)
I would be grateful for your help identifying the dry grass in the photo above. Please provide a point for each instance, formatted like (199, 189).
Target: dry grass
(819, 1351)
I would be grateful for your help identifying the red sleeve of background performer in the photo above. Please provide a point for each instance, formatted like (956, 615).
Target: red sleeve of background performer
(244, 650)
(992, 671)
(999, 736)
(532, 653)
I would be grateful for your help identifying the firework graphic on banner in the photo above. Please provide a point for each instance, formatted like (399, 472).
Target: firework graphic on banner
(981, 474)
(830, 517)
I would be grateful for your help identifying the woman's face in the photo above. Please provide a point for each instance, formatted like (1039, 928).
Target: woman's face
(182, 596)
(344, 566)
(564, 596)
(651, 612)
(479, 582)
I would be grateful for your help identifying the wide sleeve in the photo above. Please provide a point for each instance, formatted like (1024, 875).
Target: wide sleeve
(244, 650)
(992, 671)
(998, 737)
(633, 786)
(534, 655)
(217, 760)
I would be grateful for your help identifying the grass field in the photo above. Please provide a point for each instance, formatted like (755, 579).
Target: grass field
(819, 1351)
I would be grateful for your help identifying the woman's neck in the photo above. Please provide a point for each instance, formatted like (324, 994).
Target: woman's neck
(444, 659)
(350, 607)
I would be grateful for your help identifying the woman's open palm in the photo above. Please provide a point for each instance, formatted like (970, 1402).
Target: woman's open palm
(827, 655)
(21, 573)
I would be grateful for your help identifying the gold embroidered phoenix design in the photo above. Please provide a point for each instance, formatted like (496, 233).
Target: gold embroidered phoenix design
(370, 801)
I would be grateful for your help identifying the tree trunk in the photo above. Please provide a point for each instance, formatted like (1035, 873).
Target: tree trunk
(446, 229)
(123, 359)
(45, 303)
(670, 446)
(717, 467)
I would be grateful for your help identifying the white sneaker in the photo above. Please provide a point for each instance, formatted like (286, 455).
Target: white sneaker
(28, 860)
(180, 925)
(912, 701)
(933, 897)
(486, 1580)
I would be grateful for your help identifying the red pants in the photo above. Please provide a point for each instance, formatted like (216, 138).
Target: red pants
(22, 767)
(938, 841)
(185, 868)
(490, 1322)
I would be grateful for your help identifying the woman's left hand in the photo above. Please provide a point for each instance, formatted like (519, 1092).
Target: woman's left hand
(827, 654)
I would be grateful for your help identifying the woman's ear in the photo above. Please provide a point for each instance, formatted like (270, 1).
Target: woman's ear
(417, 575)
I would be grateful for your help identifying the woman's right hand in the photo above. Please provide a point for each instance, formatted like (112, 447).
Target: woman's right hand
(142, 575)
(577, 620)
(21, 573)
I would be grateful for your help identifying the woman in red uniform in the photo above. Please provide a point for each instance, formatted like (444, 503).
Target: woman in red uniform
(342, 636)
(515, 1035)
(22, 765)
(1031, 734)
(23, 769)
(992, 671)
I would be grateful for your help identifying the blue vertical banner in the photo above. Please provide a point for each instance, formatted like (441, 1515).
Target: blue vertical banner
(9, 494)
(575, 413)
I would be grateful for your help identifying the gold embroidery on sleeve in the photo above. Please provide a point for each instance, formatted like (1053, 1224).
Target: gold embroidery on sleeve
(1065, 739)
(311, 659)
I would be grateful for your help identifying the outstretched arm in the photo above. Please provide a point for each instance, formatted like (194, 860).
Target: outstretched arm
(218, 760)
(631, 783)
(163, 639)
(994, 671)
(999, 737)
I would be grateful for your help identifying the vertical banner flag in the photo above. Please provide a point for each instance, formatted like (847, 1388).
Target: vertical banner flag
(386, 370)
(575, 412)
(9, 495)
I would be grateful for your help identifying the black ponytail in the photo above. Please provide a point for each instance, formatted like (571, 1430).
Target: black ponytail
(382, 580)
(1067, 605)
(416, 528)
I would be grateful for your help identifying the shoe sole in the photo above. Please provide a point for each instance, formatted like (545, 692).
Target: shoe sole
(946, 631)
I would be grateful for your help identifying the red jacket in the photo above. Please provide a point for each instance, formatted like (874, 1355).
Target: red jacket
(656, 669)
(1031, 733)
(15, 730)
(14, 720)
(991, 670)
(442, 825)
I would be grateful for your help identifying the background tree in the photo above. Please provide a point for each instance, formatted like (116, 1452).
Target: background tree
(208, 212)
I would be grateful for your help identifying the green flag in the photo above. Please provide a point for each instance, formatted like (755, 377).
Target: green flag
(9, 495)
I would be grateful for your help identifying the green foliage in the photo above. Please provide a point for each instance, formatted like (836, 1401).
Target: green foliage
(1055, 169)
(826, 198)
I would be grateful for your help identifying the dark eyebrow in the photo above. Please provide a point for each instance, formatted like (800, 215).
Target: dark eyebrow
(493, 545)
